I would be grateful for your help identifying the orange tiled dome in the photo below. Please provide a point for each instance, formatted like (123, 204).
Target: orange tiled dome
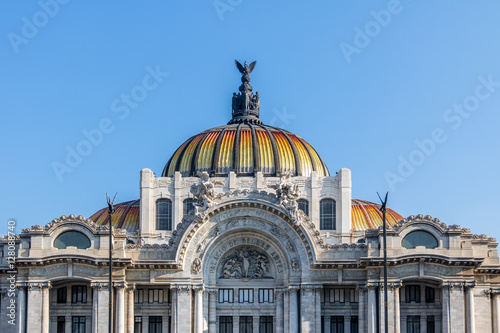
(245, 148)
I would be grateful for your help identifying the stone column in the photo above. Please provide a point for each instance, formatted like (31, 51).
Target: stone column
(394, 308)
(286, 311)
(34, 307)
(120, 307)
(130, 309)
(198, 309)
(372, 309)
(470, 314)
(307, 309)
(294, 313)
(317, 320)
(278, 298)
(381, 318)
(446, 307)
(183, 309)
(100, 306)
(361, 289)
(45, 307)
(212, 315)
(495, 294)
(21, 308)
(457, 307)
(95, 305)
(173, 307)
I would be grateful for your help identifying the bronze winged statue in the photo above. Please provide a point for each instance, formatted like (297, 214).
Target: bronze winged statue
(245, 69)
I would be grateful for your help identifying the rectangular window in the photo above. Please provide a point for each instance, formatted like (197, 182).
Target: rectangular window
(150, 295)
(431, 324)
(61, 324)
(139, 296)
(337, 324)
(354, 324)
(62, 295)
(226, 295)
(79, 294)
(339, 295)
(225, 324)
(266, 295)
(246, 324)
(245, 296)
(163, 214)
(412, 294)
(430, 294)
(78, 324)
(154, 324)
(266, 324)
(137, 324)
(327, 214)
(413, 324)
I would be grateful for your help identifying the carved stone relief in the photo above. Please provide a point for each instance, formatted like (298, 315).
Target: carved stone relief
(246, 263)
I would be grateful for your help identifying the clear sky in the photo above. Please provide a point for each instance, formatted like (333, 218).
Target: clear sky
(405, 93)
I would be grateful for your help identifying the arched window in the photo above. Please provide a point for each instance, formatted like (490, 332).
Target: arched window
(188, 206)
(327, 214)
(419, 238)
(72, 238)
(163, 214)
(304, 206)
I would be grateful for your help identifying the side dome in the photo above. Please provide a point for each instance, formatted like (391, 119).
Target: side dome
(245, 148)
(367, 215)
(126, 216)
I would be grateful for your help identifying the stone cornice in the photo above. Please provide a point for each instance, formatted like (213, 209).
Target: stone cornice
(69, 258)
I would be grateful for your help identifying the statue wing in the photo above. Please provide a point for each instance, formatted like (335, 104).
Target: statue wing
(251, 66)
(240, 67)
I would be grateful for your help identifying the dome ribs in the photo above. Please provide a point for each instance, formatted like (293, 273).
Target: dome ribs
(237, 149)
(298, 166)
(313, 164)
(277, 169)
(196, 155)
(181, 156)
(256, 152)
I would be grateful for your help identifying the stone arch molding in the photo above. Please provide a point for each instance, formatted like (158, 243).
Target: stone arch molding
(295, 248)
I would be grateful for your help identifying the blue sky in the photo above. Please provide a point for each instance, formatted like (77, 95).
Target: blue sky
(404, 93)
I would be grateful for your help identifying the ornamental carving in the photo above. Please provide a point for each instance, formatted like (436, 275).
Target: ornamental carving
(196, 267)
(295, 265)
(204, 193)
(287, 193)
(245, 263)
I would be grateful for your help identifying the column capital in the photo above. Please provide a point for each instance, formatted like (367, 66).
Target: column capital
(39, 285)
(98, 285)
(394, 285)
(372, 285)
(198, 288)
(130, 287)
(293, 288)
(470, 284)
(120, 285)
(180, 288)
(453, 285)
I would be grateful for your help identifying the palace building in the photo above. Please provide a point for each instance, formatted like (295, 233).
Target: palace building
(246, 230)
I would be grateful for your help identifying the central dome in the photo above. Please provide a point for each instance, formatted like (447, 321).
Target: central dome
(245, 145)
(245, 148)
